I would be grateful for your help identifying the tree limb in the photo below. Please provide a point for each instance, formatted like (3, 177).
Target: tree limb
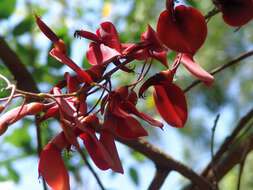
(166, 162)
(24, 79)
(159, 178)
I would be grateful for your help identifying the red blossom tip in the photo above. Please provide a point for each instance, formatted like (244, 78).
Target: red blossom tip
(46, 30)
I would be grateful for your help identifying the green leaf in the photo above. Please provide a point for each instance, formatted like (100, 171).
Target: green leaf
(23, 27)
(134, 175)
(138, 156)
(3, 91)
(6, 8)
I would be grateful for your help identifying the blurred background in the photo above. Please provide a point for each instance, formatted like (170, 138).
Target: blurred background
(231, 95)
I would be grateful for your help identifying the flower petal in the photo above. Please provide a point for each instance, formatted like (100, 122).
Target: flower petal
(130, 108)
(109, 35)
(96, 151)
(171, 104)
(125, 127)
(236, 13)
(84, 76)
(185, 31)
(107, 140)
(196, 70)
(18, 113)
(52, 168)
(99, 54)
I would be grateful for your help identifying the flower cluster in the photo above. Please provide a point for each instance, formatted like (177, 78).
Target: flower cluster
(180, 28)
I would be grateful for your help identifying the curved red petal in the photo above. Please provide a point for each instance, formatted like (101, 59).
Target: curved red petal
(96, 151)
(125, 127)
(130, 108)
(18, 113)
(237, 13)
(196, 70)
(52, 168)
(185, 31)
(87, 35)
(107, 140)
(83, 76)
(109, 35)
(171, 104)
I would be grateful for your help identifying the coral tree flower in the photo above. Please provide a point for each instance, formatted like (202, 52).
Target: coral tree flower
(59, 51)
(118, 119)
(236, 12)
(18, 113)
(184, 30)
(169, 99)
(153, 47)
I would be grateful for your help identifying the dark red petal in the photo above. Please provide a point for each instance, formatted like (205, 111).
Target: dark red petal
(164, 77)
(18, 113)
(107, 140)
(46, 30)
(94, 54)
(69, 133)
(185, 31)
(85, 77)
(151, 37)
(72, 83)
(125, 127)
(52, 168)
(66, 106)
(196, 70)
(97, 151)
(99, 54)
(87, 35)
(161, 57)
(171, 104)
(51, 112)
(130, 108)
(96, 71)
(109, 35)
(237, 13)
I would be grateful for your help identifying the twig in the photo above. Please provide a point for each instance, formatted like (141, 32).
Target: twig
(159, 178)
(221, 68)
(212, 150)
(227, 143)
(90, 168)
(241, 166)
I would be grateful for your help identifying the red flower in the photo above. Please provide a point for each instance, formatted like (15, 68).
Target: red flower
(18, 113)
(169, 98)
(51, 165)
(105, 47)
(59, 51)
(118, 119)
(182, 29)
(154, 48)
(236, 12)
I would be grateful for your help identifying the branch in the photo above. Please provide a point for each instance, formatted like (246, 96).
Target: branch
(166, 162)
(24, 79)
(159, 178)
(223, 165)
(221, 68)
(229, 140)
